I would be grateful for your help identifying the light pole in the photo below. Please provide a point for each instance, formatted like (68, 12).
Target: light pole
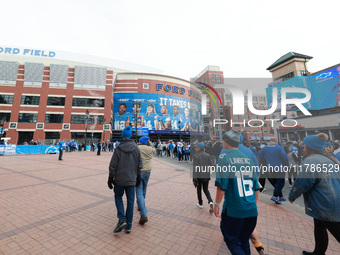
(104, 130)
(179, 125)
(86, 120)
(137, 106)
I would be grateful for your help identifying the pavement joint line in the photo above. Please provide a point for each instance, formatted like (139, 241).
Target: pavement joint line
(53, 218)
(62, 185)
(49, 182)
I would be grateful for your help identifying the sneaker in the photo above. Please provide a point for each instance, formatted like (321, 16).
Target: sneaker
(290, 186)
(282, 199)
(128, 231)
(200, 206)
(143, 220)
(120, 226)
(275, 200)
(211, 209)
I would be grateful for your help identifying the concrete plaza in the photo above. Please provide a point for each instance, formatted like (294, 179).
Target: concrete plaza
(65, 207)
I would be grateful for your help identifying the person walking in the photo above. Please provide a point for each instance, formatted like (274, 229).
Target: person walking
(321, 191)
(202, 163)
(124, 175)
(293, 166)
(61, 148)
(99, 148)
(240, 191)
(146, 150)
(275, 157)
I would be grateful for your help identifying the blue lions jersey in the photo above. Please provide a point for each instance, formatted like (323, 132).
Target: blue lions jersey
(175, 122)
(149, 120)
(164, 118)
(185, 120)
(119, 121)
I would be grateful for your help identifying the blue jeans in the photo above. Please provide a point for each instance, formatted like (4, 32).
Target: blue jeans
(141, 192)
(236, 233)
(130, 196)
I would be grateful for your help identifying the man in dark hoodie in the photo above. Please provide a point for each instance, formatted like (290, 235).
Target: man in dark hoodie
(125, 174)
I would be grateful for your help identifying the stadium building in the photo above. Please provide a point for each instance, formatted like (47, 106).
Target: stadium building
(47, 95)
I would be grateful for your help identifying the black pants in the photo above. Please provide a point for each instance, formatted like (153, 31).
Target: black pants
(205, 185)
(60, 154)
(263, 177)
(321, 235)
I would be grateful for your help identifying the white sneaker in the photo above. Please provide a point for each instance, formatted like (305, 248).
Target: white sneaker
(200, 206)
(211, 209)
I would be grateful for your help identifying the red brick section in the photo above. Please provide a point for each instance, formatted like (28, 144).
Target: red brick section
(64, 207)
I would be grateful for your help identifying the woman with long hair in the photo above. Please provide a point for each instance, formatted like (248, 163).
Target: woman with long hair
(319, 182)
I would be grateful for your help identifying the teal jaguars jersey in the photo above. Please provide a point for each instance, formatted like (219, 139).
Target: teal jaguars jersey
(239, 185)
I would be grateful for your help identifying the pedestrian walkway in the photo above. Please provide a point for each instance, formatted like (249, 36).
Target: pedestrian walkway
(65, 207)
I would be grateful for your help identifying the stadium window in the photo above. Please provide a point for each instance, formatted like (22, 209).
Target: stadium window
(54, 118)
(88, 102)
(5, 116)
(28, 117)
(6, 99)
(213, 79)
(30, 100)
(286, 76)
(218, 79)
(81, 119)
(145, 85)
(56, 101)
(303, 73)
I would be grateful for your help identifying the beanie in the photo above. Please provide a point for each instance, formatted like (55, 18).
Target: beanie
(200, 145)
(232, 138)
(127, 132)
(144, 140)
(314, 143)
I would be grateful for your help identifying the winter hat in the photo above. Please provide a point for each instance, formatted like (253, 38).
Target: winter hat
(232, 138)
(144, 140)
(200, 145)
(127, 132)
(316, 142)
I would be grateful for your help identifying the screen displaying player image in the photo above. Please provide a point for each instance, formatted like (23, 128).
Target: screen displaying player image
(121, 118)
(176, 120)
(151, 117)
(164, 119)
(156, 112)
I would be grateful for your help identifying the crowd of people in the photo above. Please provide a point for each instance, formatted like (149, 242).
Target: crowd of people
(241, 169)
(241, 172)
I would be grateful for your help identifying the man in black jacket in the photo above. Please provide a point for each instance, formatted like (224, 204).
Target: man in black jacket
(202, 163)
(125, 174)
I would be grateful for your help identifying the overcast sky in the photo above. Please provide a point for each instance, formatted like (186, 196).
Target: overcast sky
(181, 38)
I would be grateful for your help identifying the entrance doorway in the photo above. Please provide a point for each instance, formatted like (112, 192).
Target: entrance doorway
(25, 137)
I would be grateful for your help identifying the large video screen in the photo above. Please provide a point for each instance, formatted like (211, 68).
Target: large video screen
(324, 89)
(156, 112)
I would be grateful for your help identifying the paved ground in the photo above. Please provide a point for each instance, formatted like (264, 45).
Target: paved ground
(64, 207)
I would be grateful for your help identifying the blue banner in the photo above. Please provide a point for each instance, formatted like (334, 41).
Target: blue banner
(28, 149)
(156, 112)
